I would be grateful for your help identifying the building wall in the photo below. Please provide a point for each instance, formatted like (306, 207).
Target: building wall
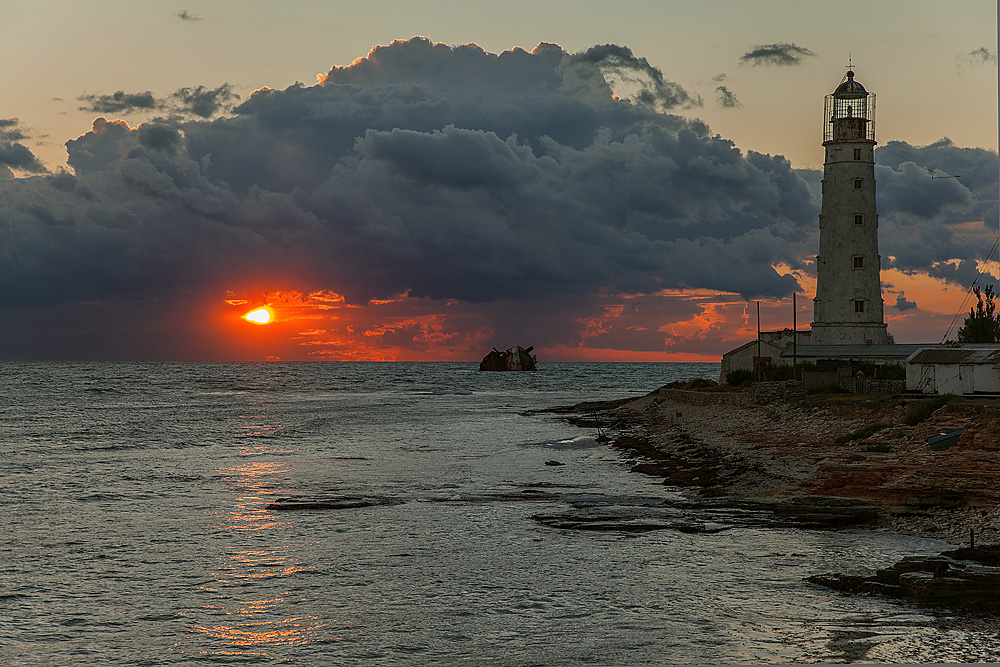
(958, 379)
(840, 281)
(772, 345)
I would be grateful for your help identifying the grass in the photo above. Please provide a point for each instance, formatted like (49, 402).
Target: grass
(924, 408)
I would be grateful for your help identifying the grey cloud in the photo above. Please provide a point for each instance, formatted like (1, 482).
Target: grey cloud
(782, 54)
(977, 57)
(118, 102)
(546, 70)
(654, 89)
(205, 102)
(410, 171)
(160, 135)
(10, 130)
(726, 99)
(903, 304)
(13, 154)
(927, 216)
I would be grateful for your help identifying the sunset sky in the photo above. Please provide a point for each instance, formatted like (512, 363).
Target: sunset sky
(424, 181)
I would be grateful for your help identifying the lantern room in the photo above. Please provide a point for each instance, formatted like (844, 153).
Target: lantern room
(849, 113)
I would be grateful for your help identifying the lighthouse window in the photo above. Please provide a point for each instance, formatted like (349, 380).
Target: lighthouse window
(857, 183)
(857, 153)
(859, 220)
(859, 262)
(859, 306)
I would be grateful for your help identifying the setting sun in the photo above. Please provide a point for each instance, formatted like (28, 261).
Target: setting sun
(258, 316)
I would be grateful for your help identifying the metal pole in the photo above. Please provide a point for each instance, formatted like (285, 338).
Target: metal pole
(758, 342)
(795, 340)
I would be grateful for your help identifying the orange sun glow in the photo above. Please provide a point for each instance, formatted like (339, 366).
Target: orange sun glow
(258, 316)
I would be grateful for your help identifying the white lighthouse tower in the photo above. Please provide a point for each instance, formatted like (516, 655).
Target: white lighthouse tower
(847, 309)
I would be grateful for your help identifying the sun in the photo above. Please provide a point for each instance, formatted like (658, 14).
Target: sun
(258, 316)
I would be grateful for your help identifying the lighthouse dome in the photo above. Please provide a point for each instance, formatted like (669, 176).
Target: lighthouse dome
(850, 89)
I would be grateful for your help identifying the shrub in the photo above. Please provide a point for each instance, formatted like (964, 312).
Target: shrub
(924, 408)
(739, 377)
(880, 447)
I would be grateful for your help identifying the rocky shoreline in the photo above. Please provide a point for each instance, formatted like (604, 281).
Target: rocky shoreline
(775, 443)
(851, 460)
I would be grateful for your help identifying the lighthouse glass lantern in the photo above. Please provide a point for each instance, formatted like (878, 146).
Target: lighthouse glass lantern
(849, 113)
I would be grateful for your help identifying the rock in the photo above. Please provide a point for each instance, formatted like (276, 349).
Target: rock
(967, 579)
(330, 502)
(554, 463)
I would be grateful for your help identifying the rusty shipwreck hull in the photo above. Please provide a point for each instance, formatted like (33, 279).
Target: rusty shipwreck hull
(512, 359)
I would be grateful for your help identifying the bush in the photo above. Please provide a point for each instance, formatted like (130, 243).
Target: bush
(880, 447)
(924, 408)
(832, 388)
(739, 377)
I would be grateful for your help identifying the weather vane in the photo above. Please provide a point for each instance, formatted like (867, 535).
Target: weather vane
(850, 62)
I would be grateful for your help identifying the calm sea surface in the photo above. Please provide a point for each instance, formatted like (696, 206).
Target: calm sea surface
(136, 529)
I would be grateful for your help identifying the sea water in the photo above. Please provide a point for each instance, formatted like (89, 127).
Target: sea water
(136, 529)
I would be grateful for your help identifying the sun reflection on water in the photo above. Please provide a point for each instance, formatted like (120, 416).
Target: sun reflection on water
(252, 604)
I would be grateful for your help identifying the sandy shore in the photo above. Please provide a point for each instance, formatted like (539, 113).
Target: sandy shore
(775, 443)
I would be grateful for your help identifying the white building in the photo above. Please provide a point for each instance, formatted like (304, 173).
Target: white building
(960, 370)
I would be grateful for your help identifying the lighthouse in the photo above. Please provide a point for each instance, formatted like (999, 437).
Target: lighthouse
(847, 309)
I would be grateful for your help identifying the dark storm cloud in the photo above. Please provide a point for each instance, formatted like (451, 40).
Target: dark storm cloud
(19, 156)
(205, 102)
(621, 63)
(903, 304)
(782, 54)
(444, 172)
(10, 130)
(184, 15)
(119, 101)
(927, 215)
(726, 99)
(13, 154)
(977, 57)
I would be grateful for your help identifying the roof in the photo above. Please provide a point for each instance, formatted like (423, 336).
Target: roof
(900, 352)
(956, 355)
(850, 89)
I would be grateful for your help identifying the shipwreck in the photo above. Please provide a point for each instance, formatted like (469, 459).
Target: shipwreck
(514, 358)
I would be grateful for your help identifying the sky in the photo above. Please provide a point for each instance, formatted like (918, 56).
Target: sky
(425, 181)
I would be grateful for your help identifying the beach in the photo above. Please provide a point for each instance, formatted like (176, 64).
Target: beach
(776, 444)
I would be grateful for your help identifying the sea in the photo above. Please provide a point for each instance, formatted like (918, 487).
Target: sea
(137, 531)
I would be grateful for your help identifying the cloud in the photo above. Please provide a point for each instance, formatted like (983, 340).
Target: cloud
(977, 57)
(546, 70)
(619, 62)
(119, 101)
(183, 15)
(15, 155)
(449, 186)
(726, 99)
(203, 102)
(516, 188)
(903, 304)
(190, 101)
(782, 54)
(927, 216)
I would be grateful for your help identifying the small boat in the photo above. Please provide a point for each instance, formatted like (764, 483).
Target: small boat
(513, 359)
(944, 440)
